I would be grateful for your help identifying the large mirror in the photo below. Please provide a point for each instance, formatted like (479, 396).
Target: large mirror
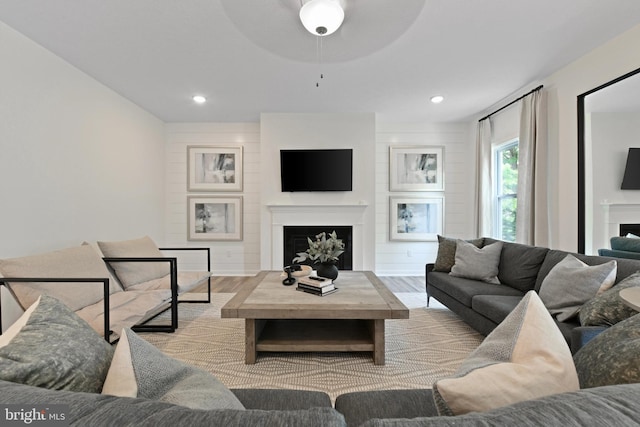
(608, 125)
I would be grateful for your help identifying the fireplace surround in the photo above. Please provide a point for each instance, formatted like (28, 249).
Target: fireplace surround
(317, 215)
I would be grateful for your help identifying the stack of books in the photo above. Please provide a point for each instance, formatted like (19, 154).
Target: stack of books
(316, 285)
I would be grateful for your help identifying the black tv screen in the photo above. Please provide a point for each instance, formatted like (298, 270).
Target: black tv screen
(316, 170)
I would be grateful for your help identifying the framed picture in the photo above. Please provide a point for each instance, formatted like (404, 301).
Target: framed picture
(418, 219)
(213, 218)
(416, 168)
(211, 168)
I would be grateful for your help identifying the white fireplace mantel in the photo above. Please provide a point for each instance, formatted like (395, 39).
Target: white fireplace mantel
(619, 213)
(316, 215)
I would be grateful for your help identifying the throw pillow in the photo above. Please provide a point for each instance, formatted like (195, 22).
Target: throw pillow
(612, 357)
(607, 309)
(446, 257)
(141, 370)
(523, 358)
(477, 263)
(76, 262)
(133, 273)
(51, 347)
(571, 283)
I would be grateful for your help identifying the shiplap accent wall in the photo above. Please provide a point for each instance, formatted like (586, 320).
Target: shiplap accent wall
(409, 258)
(227, 258)
(391, 257)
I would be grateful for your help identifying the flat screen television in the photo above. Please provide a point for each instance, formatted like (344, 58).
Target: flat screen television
(316, 170)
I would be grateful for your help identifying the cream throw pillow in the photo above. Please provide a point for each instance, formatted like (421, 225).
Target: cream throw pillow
(477, 263)
(524, 358)
(133, 273)
(76, 262)
(571, 283)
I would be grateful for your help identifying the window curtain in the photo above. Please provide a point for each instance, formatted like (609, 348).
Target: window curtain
(532, 225)
(484, 191)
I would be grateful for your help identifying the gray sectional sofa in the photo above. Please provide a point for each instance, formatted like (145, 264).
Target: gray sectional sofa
(522, 268)
(617, 405)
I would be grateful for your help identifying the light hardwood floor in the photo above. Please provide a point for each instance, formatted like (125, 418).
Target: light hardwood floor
(394, 283)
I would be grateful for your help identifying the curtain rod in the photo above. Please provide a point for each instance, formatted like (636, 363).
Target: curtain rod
(511, 103)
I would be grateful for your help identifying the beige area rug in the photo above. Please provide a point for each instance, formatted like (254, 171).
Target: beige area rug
(430, 345)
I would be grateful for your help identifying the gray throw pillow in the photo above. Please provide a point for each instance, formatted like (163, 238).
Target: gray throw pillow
(51, 347)
(607, 309)
(571, 283)
(141, 370)
(477, 263)
(612, 357)
(446, 257)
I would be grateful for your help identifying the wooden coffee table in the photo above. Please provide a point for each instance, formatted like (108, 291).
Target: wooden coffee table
(279, 318)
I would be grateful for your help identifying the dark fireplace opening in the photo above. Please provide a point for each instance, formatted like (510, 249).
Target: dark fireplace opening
(295, 240)
(629, 228)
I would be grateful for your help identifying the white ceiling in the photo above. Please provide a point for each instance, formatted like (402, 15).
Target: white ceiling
(254, 56)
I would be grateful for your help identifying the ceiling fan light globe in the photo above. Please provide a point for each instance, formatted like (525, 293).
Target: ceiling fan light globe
(321, 17)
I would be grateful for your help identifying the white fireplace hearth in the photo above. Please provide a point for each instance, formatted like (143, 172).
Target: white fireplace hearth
(317, 215)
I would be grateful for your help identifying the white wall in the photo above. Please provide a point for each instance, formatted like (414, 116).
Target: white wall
(613, 59)
(227, 258)
(292, 131)
(409, 258)
(70, 149)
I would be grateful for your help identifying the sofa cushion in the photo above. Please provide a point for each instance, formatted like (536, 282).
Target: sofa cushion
(132, 273)
(571, 283)
(519, 264)
(612, 357)
(524, 358)
(495, 307)
(139, 369)
(447, 253)
(89, 409)
(126, 309)
(477, 263)
(463, 290)
(77, 262)
(625, 244)
(53, 348)
(607, 309)
(597, 407)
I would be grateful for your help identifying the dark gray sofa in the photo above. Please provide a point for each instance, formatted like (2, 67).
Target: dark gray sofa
(522, 268)
(263, 408)
(617, 405)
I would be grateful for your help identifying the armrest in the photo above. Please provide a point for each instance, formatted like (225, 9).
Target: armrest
(360, 406)
(281, 399)
(173, 271)
(104, 281)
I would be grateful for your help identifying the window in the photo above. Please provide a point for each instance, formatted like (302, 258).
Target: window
(505, 172)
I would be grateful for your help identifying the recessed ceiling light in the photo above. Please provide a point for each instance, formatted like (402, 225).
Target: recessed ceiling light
(437, 99)
(199, 99)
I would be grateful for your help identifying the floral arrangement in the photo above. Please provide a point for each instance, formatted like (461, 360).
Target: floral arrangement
(323, 249)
